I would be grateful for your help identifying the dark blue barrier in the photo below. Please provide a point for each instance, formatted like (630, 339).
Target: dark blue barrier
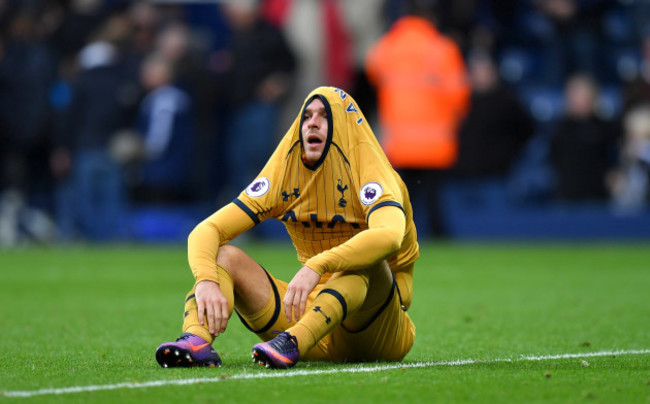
(154, 223)
(480, 210)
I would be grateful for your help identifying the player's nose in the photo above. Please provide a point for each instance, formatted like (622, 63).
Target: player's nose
(312, 122)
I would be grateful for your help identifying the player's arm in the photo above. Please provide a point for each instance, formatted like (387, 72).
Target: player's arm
(383, 238)
(203, 248)
(204, 241)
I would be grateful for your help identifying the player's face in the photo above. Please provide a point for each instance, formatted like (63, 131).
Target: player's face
(314, 130)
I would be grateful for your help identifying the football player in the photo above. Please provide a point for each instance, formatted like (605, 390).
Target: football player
(350, 219)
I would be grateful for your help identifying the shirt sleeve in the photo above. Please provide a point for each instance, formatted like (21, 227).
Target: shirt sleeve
(204, 241)
(382, 239)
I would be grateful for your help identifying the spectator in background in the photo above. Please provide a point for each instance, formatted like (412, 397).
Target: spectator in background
(27, 72)
(637, 90)
(320, 32)
(639, 13)
(177, 44)
(458, 20)
(174, 43)
(630, 183)
(145, 19)
(583, 145)
(496, 127)
(423, 94)
(255, 82)
(166, 123)
(365, 21)
(81, 19)
(571, 43)
(91, 194)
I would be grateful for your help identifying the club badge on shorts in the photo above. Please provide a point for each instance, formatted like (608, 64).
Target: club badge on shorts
(258, 187)
(370, 193)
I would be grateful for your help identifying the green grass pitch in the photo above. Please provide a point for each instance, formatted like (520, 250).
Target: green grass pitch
(79, 317)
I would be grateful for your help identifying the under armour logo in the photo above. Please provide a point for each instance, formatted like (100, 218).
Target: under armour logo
(286, 196)
(317, 309)
(342, 201)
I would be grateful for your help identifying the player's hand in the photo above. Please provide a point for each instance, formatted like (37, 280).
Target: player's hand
(298, 291)
(212, 306)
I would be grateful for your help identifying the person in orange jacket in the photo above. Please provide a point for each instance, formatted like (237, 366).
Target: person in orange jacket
(423, 94)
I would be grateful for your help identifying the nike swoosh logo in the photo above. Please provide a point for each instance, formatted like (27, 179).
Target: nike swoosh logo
(276, 355)
(195, 348)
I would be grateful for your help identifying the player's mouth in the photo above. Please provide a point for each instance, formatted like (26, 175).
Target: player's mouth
(314, 139)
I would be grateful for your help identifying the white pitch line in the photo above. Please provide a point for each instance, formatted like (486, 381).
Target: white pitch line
(306, 372)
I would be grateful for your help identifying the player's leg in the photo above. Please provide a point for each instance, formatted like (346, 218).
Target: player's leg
(246, 287)
(350, 297)
(387, 336)
(243, 282)
(281, 350)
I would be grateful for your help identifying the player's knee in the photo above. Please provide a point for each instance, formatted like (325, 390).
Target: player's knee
(378, 275)
(242, 269)
(229, 256)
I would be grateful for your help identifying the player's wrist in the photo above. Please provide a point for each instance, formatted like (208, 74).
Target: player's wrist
(207, 277)
(317, 267)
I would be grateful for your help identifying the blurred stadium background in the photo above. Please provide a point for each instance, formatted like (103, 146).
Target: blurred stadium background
(117, 118)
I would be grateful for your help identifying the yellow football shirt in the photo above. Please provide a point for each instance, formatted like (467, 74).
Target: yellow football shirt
(325, 205)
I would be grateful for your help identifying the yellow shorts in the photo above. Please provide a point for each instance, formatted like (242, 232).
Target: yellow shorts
(388, 336)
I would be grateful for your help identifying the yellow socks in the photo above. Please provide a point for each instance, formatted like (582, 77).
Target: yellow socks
(341, 296)
(191, 318)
